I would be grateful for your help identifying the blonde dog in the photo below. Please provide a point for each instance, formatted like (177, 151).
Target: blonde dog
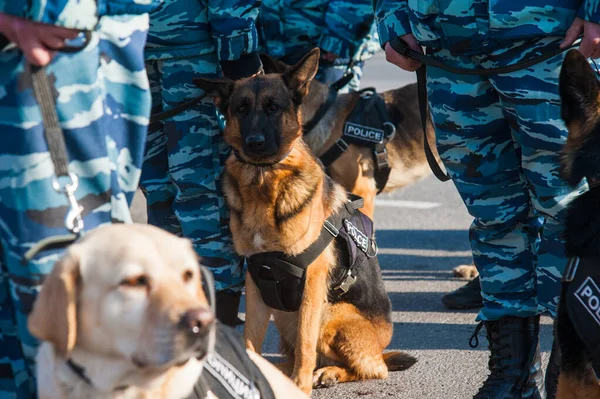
(124, 315)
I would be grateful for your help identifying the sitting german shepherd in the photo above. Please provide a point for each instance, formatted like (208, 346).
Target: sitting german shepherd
(281, 205)
(576, 327)
(355, 168)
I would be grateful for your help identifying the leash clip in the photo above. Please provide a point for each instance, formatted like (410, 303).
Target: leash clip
(73, 219)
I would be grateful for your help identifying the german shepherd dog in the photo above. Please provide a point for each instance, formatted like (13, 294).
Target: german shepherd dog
(580, 97)
(280, 196)
(355, 168)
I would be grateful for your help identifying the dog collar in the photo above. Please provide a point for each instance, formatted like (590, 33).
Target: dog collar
(79, 371)
(261, 164)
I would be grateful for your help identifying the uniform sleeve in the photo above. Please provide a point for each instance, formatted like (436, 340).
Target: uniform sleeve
(74, 14)
(590, 11)
(347, 24)
(233, 29)
(392, 19)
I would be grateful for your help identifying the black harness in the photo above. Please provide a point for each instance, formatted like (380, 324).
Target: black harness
(368, 125)
(281, 277)
(581, 294)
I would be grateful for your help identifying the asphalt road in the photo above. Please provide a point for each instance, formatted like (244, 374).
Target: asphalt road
(422, 234)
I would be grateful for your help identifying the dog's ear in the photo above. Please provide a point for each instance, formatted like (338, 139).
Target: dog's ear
(580, 109)
(298, 77)
(54, 314)
(579, 89)
(218, 89)
(271, 65)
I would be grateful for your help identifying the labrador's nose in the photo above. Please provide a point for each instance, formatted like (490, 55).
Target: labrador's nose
(198, 321)
(255, 142)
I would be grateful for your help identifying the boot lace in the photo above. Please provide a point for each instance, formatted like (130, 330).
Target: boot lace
(496, 364)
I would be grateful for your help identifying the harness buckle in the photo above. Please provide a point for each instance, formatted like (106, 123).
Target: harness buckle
(381, 158)
(346, 283)
(342, 144)
(571, 270)
(73, 219)
(331, 228)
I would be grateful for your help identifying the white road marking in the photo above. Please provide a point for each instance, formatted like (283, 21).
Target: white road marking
(406, 204)
(433, 253)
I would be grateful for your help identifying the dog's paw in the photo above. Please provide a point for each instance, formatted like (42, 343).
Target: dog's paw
(326, 377)
(465, 271)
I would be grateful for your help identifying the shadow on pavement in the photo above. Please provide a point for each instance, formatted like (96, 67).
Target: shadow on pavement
(444, 240)
(433, 336)
(421, 302)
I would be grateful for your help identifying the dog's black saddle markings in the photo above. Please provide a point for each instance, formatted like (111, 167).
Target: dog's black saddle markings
(281, 278)
(368, 125)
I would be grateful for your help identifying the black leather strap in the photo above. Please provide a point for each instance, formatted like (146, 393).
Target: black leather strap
(402, 48)
(321, 112)
(424, 110)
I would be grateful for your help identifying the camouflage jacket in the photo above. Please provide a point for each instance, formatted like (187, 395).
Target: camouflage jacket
(468, 26)
(187, 28)
(75, 14)
(296, 26)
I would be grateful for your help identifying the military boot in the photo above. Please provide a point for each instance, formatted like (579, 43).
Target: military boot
(228, 305)
(515, 364)
(466, 297)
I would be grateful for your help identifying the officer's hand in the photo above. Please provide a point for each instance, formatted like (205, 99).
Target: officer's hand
(402, 61)
(329, 56)
(37, 41)
(590, 44)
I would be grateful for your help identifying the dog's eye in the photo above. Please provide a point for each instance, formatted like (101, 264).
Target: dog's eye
(242, 109)
(136, 281)
(188, 276)
(272, 108)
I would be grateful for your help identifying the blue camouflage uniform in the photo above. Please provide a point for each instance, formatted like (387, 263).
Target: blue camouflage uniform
(289, 29)
(103, 103)
(185, 154)
(499, 136)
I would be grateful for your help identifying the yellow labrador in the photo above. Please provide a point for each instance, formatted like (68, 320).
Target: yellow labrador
(123, 315)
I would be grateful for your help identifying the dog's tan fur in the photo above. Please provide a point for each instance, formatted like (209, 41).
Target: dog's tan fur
(283, 208)
(92, 309)
(355, 168)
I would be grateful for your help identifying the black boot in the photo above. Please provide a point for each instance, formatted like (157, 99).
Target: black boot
(553, 370)
(515, 363)
(466, 297)
(228, 305)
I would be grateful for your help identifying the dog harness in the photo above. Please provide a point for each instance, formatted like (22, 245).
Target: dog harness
(229, 373)
(281, 278)
(581, 294)
(368, 125)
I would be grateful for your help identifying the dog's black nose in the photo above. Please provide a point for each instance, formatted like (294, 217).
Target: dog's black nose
(198, 321)
(255, 142)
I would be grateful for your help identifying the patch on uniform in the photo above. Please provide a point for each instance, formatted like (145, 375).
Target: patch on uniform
(589, 296)
(232, 380)
(361, 240)
(365, 133)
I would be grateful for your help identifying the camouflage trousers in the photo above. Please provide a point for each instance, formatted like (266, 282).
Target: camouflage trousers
(499, 138)
(184, 160)
(103, 105)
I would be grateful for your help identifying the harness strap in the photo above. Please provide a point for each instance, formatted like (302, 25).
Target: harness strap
(401, 47)
(321, 112)
(280, 263)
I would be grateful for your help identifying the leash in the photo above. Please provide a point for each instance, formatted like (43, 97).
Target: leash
(402, 48)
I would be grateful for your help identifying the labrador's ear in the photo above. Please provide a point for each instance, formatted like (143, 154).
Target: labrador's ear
(298, 77)
(218, 89)
(54, 314)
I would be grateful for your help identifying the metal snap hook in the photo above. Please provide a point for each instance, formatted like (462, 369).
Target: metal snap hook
(73, 219)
